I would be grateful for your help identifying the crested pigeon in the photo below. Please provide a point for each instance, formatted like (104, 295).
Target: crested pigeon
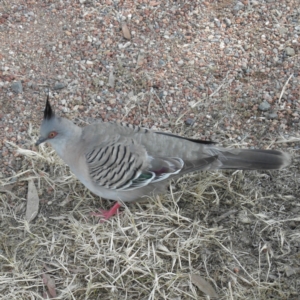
(122, 162)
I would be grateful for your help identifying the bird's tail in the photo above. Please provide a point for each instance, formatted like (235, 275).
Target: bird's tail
(214, 158)
(249, 159)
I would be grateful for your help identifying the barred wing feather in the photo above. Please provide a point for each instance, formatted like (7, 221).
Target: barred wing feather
(125, 165)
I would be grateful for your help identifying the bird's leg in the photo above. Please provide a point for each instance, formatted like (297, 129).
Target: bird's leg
(106, 214)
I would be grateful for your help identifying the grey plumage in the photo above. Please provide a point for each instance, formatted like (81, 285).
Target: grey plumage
(124, 162)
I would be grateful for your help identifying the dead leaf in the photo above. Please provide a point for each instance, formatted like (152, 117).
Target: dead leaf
(125, 31)
(50, 284)
(204, 286)
(32, 202)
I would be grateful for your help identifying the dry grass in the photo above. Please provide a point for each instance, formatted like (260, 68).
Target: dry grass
(240, 231)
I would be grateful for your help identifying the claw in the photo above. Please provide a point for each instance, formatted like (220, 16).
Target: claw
(107, 214)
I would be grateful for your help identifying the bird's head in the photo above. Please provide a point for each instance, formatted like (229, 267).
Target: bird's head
(53, 129)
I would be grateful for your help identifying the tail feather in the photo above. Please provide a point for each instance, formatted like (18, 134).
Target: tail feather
(216, 158)
(248, 159)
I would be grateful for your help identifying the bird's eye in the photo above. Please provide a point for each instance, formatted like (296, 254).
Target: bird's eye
(52, 134)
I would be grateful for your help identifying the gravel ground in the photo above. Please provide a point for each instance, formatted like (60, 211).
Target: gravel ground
(222, 70)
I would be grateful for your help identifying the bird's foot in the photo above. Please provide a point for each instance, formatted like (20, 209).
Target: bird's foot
(107, 214)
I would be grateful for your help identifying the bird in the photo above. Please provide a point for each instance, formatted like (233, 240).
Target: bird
(125, 163)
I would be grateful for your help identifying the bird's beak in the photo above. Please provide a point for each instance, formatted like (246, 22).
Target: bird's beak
(40, 140)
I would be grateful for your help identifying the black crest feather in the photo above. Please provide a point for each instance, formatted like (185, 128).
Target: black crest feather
(48, 112)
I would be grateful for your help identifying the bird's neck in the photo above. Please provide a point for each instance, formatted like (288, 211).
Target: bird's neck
(69, 145)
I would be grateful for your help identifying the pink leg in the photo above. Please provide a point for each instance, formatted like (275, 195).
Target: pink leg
(106, 214)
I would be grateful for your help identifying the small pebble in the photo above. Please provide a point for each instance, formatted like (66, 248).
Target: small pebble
(264, 106)
(289, 51)
(189, 121)
(272, 116)
(17, 87)
(58, 85)
(227, 22)
(161, 62)
(239, 5)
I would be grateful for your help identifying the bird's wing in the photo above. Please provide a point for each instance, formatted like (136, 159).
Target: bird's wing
(121, 163)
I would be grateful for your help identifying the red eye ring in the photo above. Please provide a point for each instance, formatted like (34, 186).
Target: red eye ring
(52, 135)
